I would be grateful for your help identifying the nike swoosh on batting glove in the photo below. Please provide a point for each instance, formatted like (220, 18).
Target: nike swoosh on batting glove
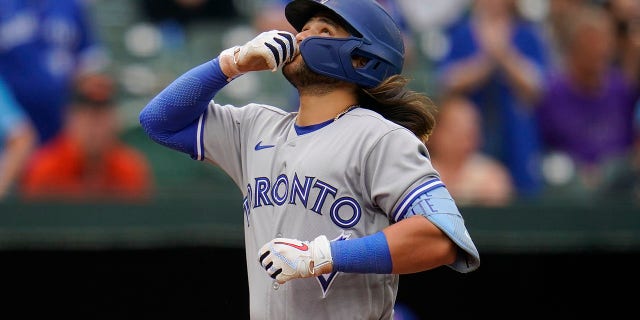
(285, 259)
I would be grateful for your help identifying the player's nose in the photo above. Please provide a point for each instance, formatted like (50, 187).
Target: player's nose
(301, 36)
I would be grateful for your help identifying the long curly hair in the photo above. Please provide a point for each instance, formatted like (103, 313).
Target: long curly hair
(396, 102)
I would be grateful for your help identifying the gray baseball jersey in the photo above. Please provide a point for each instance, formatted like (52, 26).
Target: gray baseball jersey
(344, 180)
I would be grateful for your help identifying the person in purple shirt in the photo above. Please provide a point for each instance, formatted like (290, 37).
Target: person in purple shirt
(45, 45)
(587, 112)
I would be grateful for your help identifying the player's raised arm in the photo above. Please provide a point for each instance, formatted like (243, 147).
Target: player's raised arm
(171, 118)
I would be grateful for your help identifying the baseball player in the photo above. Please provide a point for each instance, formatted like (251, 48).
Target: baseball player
(340, 197)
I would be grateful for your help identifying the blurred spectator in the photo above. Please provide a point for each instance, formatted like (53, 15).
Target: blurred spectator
(472, 177)
(498, 59)
(17, 140)
(87, 161)
(626, 15)
(270, 16)
(428, 21)
(45, 46)
(428, 14)
(559, 13)
(587, 113)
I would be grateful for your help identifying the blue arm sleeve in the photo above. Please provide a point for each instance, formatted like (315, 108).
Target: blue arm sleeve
(172, 118)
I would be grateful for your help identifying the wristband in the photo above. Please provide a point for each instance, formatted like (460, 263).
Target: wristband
(369, 254)
(229, 63)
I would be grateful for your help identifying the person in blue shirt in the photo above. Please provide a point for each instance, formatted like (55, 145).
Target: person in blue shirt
(498, 59)
(45, 46)
(17, 140)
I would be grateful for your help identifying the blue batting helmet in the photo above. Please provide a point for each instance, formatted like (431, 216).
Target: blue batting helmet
(374, 35)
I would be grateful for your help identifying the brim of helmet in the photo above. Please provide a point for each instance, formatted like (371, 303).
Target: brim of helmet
(298, 12)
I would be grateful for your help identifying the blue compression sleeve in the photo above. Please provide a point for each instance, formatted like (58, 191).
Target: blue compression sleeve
(368, 254)
(171, 117)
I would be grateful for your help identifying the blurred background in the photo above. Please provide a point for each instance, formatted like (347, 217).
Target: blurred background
(537, 139)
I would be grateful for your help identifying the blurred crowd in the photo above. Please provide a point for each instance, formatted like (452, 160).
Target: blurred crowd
(538, 99)
(59, 133)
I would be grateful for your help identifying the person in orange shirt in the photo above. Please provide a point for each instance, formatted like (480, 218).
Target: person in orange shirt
(87, 161)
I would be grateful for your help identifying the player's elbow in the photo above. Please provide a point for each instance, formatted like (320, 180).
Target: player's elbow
(144, 117)
(150, 119)
(159, 131)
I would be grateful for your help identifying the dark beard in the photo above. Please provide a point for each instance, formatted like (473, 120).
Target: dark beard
(308, 81)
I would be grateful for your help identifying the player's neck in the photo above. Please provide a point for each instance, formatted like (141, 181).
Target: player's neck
(320, 108)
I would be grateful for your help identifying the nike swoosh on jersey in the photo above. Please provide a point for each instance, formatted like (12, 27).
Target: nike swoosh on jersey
(260, 146)
(302, 247)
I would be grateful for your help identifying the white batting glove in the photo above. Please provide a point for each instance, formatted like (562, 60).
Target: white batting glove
(274, 47)
(285, 259)
(267, 51)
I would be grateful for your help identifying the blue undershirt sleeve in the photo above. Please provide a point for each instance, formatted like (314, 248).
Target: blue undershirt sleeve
(172, 117)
